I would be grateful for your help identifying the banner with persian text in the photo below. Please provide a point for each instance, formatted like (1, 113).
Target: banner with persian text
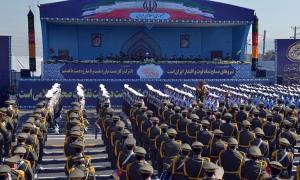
(288, 60)
(31, 91)
(145, 71)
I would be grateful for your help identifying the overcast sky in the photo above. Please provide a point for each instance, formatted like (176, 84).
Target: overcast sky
(275, 16)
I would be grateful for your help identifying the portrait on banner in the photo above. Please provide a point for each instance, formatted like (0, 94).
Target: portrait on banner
(184, 40)
(96, 39)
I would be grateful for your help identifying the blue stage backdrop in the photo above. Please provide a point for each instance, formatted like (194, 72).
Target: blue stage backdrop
(32, 91)
(288, 61)
(146, 71)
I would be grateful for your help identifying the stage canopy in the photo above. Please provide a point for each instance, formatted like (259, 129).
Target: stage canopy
(137, 11)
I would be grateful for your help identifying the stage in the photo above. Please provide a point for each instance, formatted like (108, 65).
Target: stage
(134, 42)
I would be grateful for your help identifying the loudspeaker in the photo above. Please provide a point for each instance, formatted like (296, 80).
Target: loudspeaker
(261, 73)
(25, 73)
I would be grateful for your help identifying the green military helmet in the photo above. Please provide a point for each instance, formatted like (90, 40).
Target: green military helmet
(177, 108)
(22, 136)
(246, 123)
(12, 160)
(120, 124)
(154, 119)
(116, 118)
(30, 120)
(269, 115)
(75, 128)
(20, 150)
(140, 151)
(228, 115)
(164, 126)
(232, 142)
(76, 173)
(130, 141)
(287, 123)
(139, 103)
(276, 108)
(218, 132)
(184, 111)
(170, 105)
(110, 111)
(254, 151)
(210, 166)
(75, 133)
(197, 145)
(194, 103)
(186, 147)
(261, 104)
(149, 112)
(234, 106)
(75, 122)
(194, 117)
(75, 104)
(75, 109)
(3, 110)
(256, 111)
(259, 132)
(73, 115)
(284, 142)
(27, 126)
(37, 111)
(144, 108)
(78, 144)
(276, 165)
(10, 102)
(205, 123)
(146, 169)
(125, 132)
(4, 169)
(40, 104)
(242, 105)
(172, 132)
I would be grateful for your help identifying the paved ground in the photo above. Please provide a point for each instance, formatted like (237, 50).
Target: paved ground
(52, 166)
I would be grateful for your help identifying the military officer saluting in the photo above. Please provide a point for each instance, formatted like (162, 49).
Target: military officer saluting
(232, 160)
(245, 137)
(254, 168)
(193, 167)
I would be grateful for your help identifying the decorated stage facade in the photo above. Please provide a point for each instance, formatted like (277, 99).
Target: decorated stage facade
(140, 41)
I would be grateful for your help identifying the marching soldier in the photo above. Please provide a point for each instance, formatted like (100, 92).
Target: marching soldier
(140, 120)
(161, 139)
(168, 113)
(217, 146)
(132, 169)
(288, 133)
(146, 172)
(176, 169)
(192, 128)
(232, 160)
(23, 164)
(205, 137)
(271, 131)
(216, 124)
(229, 129)
(254, 168)
(175, 117)
(210, 171)
(125, 157)
(245, 137)
(15, 173)
(277, 117)
(260, 143)
(193, 167)
(256, 120)
(241, 116)
(276, 169)
(116, 136)
(144, 130)
(181, 126)
(262, 111)
(284, 157)
(169, 149)
(153, 134)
